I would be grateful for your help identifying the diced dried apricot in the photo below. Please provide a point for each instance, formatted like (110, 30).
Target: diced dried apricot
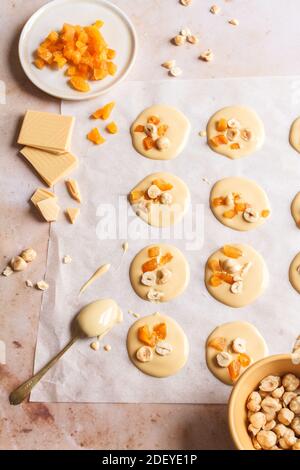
(145, 337)
(265, 213)
(234, 369)
(215, 281)
(39, 63)
(214, 142)
(232, 251)
(214, 265)
(135, 196)
(107, 109)
(153, 120)
(53, 36)
(148, 142)
(71, 71)
(244, 359)
(112, 68)
(45, 54)
(166, 258)
(79, 83)
(95, 137)
(163, 185)
(218, 201)
(228, 278)
(111, 54)
(221, 125)
(104, 113)
(99, 23)
(139, 128)
(222, 139)
(162, 130)
(160, 330)
(229, 214)
(219, 139)
(240, 206)
(235, 146)
(150, 265)
(112, 128)
(78, 46)
(154, 251)
(218, 343)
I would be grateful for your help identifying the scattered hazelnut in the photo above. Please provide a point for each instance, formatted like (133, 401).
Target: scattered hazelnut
(18, 264)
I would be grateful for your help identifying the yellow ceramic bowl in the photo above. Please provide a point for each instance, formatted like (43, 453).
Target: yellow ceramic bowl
(273, 365)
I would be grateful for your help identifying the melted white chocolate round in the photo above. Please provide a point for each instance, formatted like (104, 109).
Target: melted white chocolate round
(295, 209)
(248, 135)
(159, 365)
(244, 284)
(294, 273)
(170, 205)
(160, 289)
(255, 346)
(177, 132)
(249, 193)
(295, 134)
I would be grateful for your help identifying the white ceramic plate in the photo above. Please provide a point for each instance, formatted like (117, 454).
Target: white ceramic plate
(117, 30)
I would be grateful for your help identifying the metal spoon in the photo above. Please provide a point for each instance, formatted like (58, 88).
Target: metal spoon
(95, 319)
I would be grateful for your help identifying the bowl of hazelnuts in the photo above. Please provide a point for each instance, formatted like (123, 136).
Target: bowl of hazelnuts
(264, 406)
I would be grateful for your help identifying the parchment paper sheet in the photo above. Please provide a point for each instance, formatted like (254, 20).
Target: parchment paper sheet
(110, 171)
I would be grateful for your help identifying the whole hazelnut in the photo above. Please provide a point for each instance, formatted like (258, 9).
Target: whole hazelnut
(18, 264)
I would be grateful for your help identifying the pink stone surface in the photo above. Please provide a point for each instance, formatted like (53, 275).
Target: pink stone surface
(259, 46)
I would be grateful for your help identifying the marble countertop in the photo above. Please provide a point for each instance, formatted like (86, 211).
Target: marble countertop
(265, 43)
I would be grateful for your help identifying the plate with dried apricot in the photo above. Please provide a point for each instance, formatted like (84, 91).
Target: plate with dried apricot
(77, 49)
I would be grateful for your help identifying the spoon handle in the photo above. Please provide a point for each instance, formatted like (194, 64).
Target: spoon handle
(20, 393)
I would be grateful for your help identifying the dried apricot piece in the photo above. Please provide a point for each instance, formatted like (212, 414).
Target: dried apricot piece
(39, 63)
(95, 137)
(162, 130)
(135, 195)
(214, 142)
(232, 251)
(235, 146)
(98, 23)
(240, 206)
(111, 54)
(166, 258)
(214, 265)
(139, 128)
(228, 278)
(150, 265)
(215, 280)
(229, 214)
(44, 54)
(265, 213)
(79, 83)
(71, 71)
(145, 337)
(148, 142)
(163, 185)
(218, 201)
(107, 109)
(221, 125)
(112, 128)
(234, 369)
(244, 359)
(112, 68)
(53, 36)
(218, 343)
(154, 251)
(153, 120)
(160, 330)
(222, 139)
